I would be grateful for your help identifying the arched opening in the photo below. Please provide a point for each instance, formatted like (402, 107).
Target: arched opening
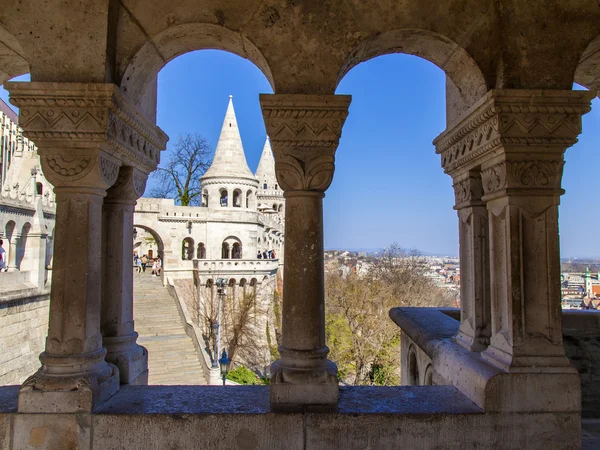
(413, 368)
(187, 249)
(225, 251)
(39, 188)
(223, 200)
(428, 378)
(145, 240)
(205, 198)
(248, 197)
(236, 251)
(201, 251)
(237, 198)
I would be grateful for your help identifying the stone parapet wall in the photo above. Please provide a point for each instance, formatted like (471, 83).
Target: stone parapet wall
(23, 328)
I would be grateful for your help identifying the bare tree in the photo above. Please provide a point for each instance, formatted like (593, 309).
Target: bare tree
(179, 178)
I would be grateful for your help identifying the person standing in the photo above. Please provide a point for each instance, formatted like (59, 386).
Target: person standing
(139, 265)
(144, 262)
(2, 257)
(259, 256)
(158, 266)
(273, 254)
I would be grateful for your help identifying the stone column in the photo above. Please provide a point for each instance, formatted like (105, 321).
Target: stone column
(304, 132)
(516, 139)
(12, 253)
(474, 331)
(118, 334)
(84, 133)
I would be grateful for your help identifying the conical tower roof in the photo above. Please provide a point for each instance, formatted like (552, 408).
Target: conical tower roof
(229, 160)
(266, 165)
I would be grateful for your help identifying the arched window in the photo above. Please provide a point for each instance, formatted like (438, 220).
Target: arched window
(224, 199)
(274, 206)
(225, 251)
(201, 251)
(248, 195)
(280, 207)
(187, 249)
(39, 188)
(265, 186)
(236, 251)
(237, 198)
(275, 186)
(205, 198)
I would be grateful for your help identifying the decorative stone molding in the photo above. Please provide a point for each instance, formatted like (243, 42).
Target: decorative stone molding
(128, 187)
(519, 119)
(304, 131)
(467, 190)
(64, 116)
(522, 174)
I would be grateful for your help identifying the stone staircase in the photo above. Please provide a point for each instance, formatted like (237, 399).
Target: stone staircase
(172, 357)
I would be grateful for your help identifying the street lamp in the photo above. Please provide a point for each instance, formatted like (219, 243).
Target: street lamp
(221, 291)
(224, 363)
(134, 233)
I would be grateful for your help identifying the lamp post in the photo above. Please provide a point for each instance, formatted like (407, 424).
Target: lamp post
(221, 291)
(224, 363)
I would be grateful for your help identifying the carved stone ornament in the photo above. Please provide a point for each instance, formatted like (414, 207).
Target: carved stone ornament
(468, 190)
(520, 119)
(304, 131)
(129, 186)
(92, 168)
(84, 115)
(522, 174)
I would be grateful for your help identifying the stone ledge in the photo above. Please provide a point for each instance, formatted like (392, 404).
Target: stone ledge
(199, 417)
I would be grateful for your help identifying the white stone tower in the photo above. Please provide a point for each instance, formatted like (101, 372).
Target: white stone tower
(270, 195)
(228, 182)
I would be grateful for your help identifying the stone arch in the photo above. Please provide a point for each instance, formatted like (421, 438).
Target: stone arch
(201, 251)
(22, 262)
(237, 198)
(205, 198)
(223, 197)
(413, 367)
(159, 243)
(587, 73)
(428, 377)
(187, 249)
(13, 61)
(248, 198)
(139, 78)
(463, 74)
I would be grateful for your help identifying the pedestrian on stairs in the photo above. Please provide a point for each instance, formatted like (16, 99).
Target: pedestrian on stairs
(158, 266)
(139, 265)
(144, 262)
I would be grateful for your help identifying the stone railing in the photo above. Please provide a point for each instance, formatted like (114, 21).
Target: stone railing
(427, 335)
(212, 375)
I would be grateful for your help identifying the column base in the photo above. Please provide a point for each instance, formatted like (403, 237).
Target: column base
(544, 359)
(130, 357)
(470, 343)
(69, 384)
(295, 390)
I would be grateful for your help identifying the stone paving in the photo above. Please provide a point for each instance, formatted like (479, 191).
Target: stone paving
(172, 357)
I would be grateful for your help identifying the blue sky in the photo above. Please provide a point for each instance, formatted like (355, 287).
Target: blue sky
(388, 185)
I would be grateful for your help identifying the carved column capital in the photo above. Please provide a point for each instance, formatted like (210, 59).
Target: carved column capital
(129, 186)
(71, 120)
(468, 190)
(90, 169)
(305, 131)
(525, 176)
(509, 121)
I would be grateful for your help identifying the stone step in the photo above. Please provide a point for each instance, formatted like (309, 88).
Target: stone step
(172, 357)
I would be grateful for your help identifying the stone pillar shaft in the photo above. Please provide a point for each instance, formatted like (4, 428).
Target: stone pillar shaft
(12, 253)
(474, 331)
(119, 336)
(304, 132)
(304, 328)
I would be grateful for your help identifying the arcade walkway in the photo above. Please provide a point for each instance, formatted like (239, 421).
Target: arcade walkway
(172, 358)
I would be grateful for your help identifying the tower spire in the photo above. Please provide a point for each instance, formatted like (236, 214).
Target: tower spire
(229, 160)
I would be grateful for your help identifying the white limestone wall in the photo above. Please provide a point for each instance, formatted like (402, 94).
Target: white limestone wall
(23, 327)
